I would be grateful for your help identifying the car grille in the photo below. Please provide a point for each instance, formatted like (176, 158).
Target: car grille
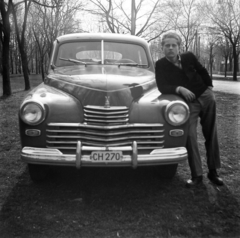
(64, 136)
(105, 116)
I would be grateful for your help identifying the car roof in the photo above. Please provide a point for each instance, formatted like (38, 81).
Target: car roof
(101, 36)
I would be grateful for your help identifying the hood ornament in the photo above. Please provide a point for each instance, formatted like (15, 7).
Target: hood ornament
(107, 102)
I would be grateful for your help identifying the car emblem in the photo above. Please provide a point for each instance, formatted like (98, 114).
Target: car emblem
(107, 101)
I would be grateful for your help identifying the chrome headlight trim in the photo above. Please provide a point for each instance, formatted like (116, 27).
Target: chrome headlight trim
(177, 113)
(32, 112)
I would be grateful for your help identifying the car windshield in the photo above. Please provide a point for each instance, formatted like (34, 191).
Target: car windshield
(115, 53)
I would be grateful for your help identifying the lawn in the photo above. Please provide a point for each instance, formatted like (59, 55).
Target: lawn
(118, 202)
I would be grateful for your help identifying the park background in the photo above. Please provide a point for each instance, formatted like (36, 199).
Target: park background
(209, 28)
(117, 203)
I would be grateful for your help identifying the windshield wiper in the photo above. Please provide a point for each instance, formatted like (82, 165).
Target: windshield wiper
(74, 61)
(131, 64)
(142, 65)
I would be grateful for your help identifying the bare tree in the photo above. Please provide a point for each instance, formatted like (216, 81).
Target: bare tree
(212, 39)
(20, 16)
(185, 18)
(0, 48)
(42, 46)
(47, 23)
(226, 16)
(224, 48)
(128, 17)
(20, 33)
(20, 10)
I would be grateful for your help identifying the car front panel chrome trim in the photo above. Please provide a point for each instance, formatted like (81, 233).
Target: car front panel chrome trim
(49, 156)
(112, 133)
(102, 52)
(109, 113)
(32, 132)
(78, 154)
(176, 133)
(105, 139)
(106, 115)
(64, 136)
(106, 121)
(132, 125)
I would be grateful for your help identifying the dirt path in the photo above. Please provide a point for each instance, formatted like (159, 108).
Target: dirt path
(227, 86)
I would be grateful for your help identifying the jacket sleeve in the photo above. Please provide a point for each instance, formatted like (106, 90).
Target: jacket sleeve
(202, 71)
(161, 80)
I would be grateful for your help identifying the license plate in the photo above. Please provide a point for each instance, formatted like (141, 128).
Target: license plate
(106, 156)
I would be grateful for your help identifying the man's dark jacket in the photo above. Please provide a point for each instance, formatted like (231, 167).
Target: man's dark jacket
(192, 76)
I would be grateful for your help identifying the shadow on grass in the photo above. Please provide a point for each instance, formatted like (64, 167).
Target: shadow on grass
(121, 202)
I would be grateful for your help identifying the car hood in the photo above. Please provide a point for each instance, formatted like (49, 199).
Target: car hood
(101, 84)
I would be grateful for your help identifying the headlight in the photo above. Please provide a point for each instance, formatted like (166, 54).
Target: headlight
(32, 113)
(177, 113)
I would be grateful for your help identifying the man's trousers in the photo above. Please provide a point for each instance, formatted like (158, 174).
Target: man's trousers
(204, 108)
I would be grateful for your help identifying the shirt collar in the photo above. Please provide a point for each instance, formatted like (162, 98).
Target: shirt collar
(178, 59)
(178, 63)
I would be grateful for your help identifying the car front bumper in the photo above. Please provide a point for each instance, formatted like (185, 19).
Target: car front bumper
(49, 156)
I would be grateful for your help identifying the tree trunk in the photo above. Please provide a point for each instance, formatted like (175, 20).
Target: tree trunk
(25, 69)
(5, 66)
(42, 68)
(211, 60)
(5, 39)
(211, 68)
(0, 55)
(133, 18)
(36, 60)
(226, 65)
(21, 43)
(32, 65)
(11, 60)
(230, 63)
(235, 64)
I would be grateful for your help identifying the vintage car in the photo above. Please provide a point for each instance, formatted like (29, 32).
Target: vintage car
(99, 107)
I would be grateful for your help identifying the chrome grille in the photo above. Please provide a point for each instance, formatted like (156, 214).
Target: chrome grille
(105, 115)
(64, 136)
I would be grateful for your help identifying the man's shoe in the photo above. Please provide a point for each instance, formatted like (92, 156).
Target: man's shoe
(194, 182)
(214, 178)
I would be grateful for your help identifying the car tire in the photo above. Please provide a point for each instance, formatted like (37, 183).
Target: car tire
(37, 172)
(167, 171)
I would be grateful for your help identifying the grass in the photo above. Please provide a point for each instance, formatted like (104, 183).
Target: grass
(118, 202)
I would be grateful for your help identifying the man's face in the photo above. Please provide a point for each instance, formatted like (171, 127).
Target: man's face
(171, 48)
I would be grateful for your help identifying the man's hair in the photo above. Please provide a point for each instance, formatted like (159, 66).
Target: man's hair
(171, 35)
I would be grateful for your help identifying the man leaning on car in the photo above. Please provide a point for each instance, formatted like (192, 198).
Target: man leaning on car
(182, 74)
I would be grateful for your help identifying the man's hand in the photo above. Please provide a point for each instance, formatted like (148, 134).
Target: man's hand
(187, 94)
